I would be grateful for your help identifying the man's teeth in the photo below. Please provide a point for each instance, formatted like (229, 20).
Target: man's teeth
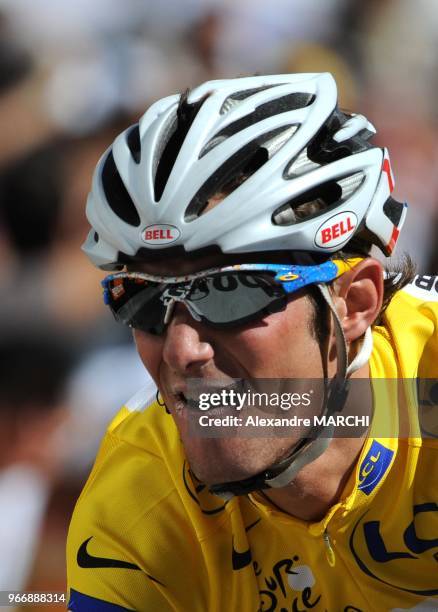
(191, 397)
(239, 386)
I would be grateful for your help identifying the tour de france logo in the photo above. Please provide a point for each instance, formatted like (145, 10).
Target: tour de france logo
(289, 579)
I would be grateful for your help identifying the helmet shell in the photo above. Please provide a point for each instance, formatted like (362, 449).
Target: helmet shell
(308, 147)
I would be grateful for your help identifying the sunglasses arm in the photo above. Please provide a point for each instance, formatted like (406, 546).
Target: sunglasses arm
(169, 311)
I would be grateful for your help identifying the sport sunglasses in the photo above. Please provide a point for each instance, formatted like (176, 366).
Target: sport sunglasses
(219, 297)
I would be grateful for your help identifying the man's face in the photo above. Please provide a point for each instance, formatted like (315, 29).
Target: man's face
(281, 345)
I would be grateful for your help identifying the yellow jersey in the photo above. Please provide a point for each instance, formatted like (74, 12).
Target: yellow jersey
(147, 536)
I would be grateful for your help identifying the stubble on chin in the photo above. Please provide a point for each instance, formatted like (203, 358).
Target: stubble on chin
(220, 460)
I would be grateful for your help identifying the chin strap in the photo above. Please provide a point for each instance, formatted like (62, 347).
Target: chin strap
(310, 448)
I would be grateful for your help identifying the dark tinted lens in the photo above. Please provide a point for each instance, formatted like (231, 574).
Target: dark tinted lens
(235, 298)
(137, 304)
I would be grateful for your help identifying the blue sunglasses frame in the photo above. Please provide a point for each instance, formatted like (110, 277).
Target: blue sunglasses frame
(291, 277)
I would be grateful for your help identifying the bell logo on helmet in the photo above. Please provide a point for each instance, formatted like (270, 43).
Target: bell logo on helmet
(336, 230)
(160, 234)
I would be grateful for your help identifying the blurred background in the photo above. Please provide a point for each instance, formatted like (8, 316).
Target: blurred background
(73, 74)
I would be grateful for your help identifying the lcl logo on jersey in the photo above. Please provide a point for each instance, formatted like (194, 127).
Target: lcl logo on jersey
(404, 556)
(160, 234)
(336, 230)
(374, 466)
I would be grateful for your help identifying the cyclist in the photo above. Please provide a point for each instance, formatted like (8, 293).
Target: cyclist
(240, 217)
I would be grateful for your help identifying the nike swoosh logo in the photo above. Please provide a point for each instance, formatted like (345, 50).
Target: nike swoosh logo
(86, 560)
(240, 560)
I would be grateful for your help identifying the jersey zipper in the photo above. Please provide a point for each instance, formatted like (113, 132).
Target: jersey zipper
(330, 553)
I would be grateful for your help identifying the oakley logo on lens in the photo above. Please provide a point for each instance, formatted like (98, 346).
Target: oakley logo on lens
(336, 230)
(160, 234)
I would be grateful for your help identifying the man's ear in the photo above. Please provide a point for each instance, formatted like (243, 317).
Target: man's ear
(358, 295)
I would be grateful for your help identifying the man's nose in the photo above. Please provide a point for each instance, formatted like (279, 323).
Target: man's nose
(184, 348)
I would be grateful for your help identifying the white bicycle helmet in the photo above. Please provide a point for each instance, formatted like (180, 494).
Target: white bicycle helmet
(284, 134)
(268, 145)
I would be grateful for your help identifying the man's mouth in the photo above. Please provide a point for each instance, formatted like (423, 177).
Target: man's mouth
(185, 401)
(198, 390)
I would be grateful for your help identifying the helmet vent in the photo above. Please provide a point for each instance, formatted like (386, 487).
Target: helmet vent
(393, 210)
(283, 104)
(185, 114)
(350, 184)
(312, 203)
(317, 200)
(133, 142)
(300, 165)
(272, 145)
(233, 173)
(237, 97)
(323, 149)
(116, 193)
